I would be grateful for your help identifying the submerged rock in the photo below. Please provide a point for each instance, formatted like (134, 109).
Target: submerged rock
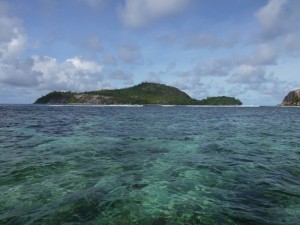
(292, 99)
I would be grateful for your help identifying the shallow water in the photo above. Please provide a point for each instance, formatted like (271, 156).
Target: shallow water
(149, 165)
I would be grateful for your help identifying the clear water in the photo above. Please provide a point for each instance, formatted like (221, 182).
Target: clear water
(149, 165)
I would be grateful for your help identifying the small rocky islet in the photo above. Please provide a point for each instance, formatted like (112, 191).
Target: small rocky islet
(291, 99)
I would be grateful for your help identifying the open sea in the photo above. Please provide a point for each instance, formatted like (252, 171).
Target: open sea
(149, 165)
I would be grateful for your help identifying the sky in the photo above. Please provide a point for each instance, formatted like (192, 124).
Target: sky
(248, 49)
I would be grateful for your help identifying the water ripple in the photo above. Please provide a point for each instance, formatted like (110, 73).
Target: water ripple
(149, 165)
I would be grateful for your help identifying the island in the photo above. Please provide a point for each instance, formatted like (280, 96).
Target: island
(146, 93)
(291, 99)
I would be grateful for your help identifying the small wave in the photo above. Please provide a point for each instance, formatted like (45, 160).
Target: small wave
(255, 106)
(88, 105)
(222, 106)
(212, 106)
(119, 106)
(56, 105)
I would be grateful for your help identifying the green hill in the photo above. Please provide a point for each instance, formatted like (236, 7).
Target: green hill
(221, 100)
(144, 93)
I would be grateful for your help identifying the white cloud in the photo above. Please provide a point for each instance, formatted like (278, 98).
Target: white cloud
(203, 40)
(93, 44)
(154, 77)
(129, 53)
(279, 18)
(249, 74)
(192, 84)
(215, 67)
(291, 43)
(270, 13)
(85, 66)
(206, 40)
(93, 3)
(120, 75)
(74, 74)
(45, 73)
(270, 16)
(138, 13)
(41, 72)
(183, 82)
(109, 59)
(12, 38)
(169, 38)
(13, 41)
(19, 73)
(265, 55)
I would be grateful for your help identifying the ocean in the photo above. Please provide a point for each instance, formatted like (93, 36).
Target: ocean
(149, 165)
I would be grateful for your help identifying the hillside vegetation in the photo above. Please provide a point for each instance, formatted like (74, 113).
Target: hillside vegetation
(144, 93)
(221, 100)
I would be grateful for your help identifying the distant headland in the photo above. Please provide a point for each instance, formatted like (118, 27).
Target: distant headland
(144, 93)
(292, 99)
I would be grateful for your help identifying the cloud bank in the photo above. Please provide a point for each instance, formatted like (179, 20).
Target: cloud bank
(139, 13)
(41, 72)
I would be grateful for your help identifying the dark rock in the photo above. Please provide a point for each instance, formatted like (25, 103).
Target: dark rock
(292, 99)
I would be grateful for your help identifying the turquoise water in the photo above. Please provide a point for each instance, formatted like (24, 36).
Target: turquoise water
(149, 165)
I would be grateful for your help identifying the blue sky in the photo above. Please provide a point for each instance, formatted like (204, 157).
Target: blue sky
(245, 49)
